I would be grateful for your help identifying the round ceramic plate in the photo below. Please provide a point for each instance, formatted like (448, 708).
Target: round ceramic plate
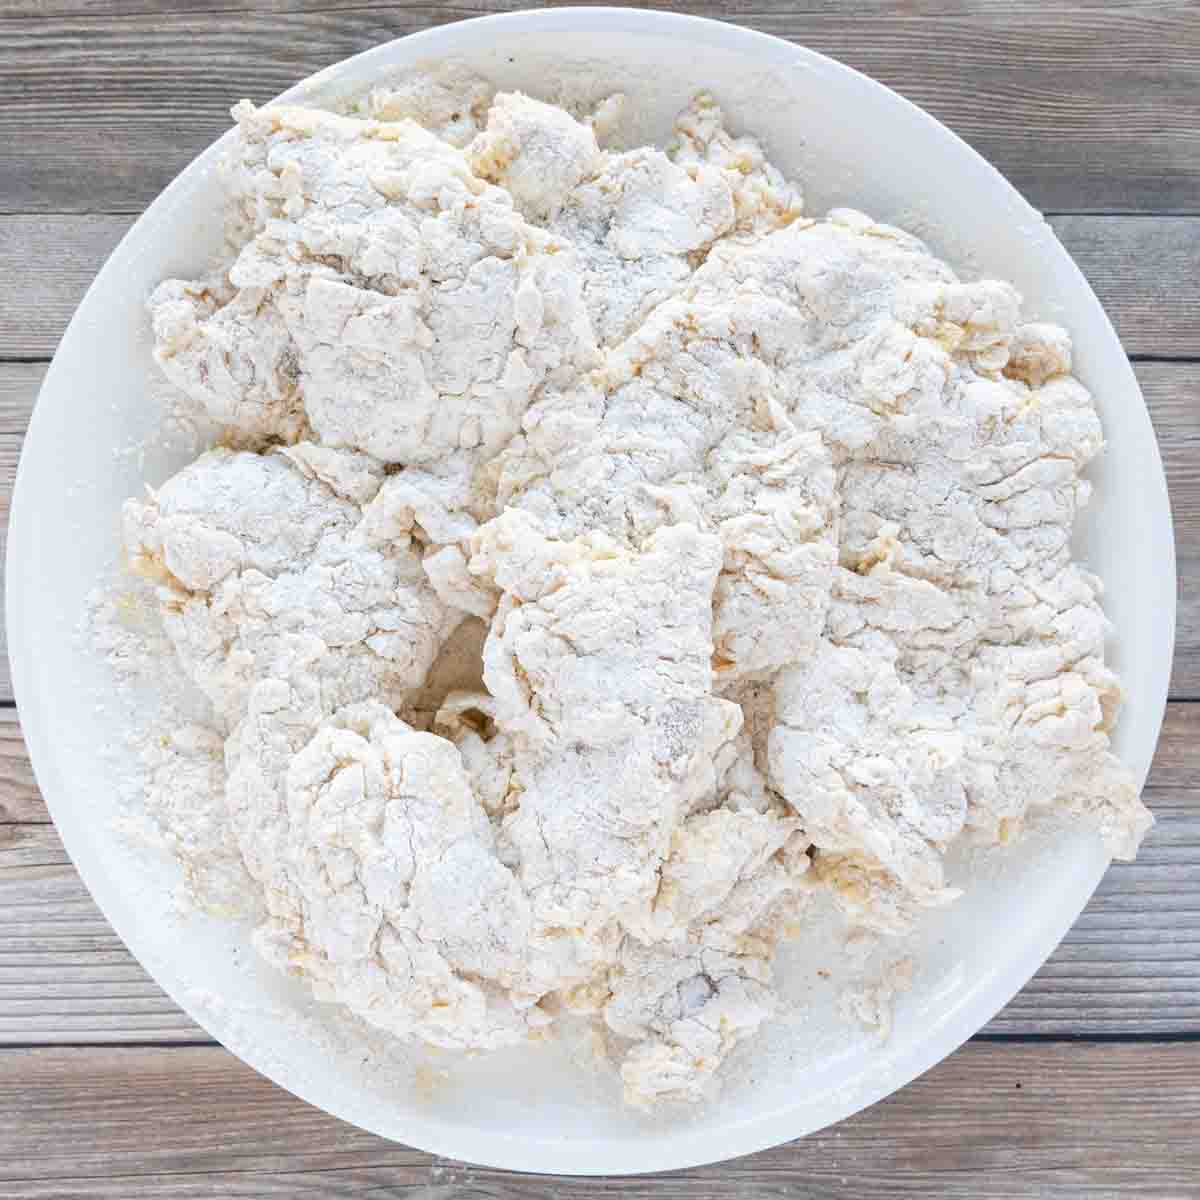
(849, 141)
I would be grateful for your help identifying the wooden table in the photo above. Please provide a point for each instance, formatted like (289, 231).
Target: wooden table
(1088, 1084)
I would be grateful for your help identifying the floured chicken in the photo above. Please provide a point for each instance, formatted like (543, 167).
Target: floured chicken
(767, 520)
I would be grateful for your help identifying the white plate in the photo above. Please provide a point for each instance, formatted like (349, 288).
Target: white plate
(851, 141)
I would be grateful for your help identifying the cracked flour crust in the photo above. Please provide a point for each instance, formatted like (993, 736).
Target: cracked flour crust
(768, 520)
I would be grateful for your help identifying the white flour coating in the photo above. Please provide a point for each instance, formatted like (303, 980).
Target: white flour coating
(767, 520)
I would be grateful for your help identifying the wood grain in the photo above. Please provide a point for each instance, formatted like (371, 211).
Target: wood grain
(1091, 107)
(65, 976)
(1014, 1121)
(1143, 269)
(19, 384)
(20, 800)
(1131, 964)
(733, 10)
(1095, 108)
(46, 265)
(1172, 392)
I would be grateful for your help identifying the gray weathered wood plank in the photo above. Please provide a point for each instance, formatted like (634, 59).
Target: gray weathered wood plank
(46, 265)
(730, 10)
(19, 384)
(991, 1121)
(1143, 269)
(1175, 771)
(1172, 392)
(20, 800)
(1097, 110)
(1131, 964)
(1088, 106)
(65, 976)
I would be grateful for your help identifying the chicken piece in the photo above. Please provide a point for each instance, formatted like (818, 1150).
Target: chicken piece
(537, 152)
(684, 1004)
(684, 1012)
(626, 452)
(416, 377)
(776, 516)
(763, 199)
(410, 311)
(449, 100)
(234, 357)
(637, 220)
(389, 895)
(961, 557)
(872, 780)
(265, 575)
(600, 663)
(230, 512)
(642, 221)
(1040, 724)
